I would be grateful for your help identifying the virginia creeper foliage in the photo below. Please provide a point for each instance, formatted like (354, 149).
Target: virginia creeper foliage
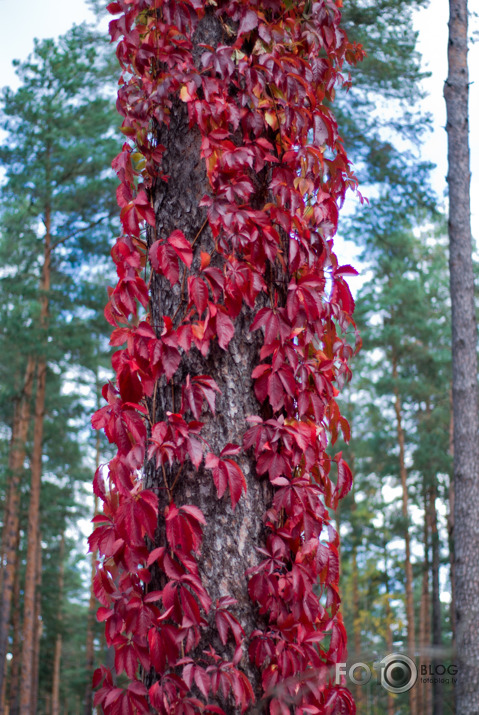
(261, 103)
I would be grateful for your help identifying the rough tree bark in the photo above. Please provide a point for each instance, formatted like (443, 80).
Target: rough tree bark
(464, 366)
(230, 538)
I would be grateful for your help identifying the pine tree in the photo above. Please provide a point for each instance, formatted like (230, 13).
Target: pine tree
(380, 115)
(402, 313)
(464, 364)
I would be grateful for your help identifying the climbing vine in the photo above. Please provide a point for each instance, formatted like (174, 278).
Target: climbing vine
(277, 172)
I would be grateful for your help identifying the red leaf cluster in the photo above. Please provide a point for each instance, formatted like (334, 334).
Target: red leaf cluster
(262, 106)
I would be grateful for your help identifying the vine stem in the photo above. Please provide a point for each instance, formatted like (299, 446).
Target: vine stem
(167, 487)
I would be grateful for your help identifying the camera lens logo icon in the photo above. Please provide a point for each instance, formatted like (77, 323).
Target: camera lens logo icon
(398, 673)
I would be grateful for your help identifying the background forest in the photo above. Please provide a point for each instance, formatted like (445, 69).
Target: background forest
(57, 221)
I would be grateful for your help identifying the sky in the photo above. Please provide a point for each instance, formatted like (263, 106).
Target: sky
(20, 24)
(431, 24)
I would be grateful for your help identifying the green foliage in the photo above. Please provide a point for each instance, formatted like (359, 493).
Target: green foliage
(380, 109)
(55, 161)
(403, 313)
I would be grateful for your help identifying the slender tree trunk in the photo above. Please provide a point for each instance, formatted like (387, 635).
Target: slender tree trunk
(10, 681)
(90, 649)
(14, 437)
(33, 547)
(358, 690)
(38, 628)
(464, 365)
(58, 642)
(389, 634)
(438, 690)
(450, 533)
(450, 543)
(424, 689)
(3, 694)
(11, 522)
(411, 637)
(36, 476)
(390, 649)
(14, 685)
(428, 703)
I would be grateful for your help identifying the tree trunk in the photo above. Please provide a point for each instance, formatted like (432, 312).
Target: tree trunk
(3, 694)
(14, 437)
(389, 632)
(438, 690)
(14, 685)
(11, 522)
(450, 534)
(424, 689)
(464, 365)
(358, 689)
(90, 650)
(58, 642)
(240, 256)
(38, 629)
(29, 625)
(230, 538)
(411, 637)
(34, 505)
(450, 544)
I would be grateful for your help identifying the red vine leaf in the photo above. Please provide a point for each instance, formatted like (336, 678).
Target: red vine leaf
(226, 473)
